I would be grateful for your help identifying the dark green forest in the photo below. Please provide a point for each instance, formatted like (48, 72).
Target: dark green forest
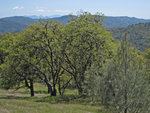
(139, 34)
(81, 55)
(18, 23)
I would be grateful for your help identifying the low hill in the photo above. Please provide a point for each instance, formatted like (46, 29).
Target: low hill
(139, 34)
(15, 24)
(18, 23)
(111, 22)
(123, 21)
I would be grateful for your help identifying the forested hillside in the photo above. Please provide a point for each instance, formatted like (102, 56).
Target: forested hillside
(138, 34)
(125, 21)
(18, 23)
(15, 24)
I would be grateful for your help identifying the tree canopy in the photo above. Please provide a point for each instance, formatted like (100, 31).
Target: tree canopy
(81, 54)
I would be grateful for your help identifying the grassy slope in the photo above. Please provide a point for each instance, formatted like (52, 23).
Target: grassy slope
(24, 106)
(20, 102)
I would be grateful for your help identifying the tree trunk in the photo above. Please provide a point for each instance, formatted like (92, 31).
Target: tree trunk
(59, 87)
(80, 90)
(78, 84)
(31, 87)
(125, 99)
(125, 111)
(54, 92)
(49, 88)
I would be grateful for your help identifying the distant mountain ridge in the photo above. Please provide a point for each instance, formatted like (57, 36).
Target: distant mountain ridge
(18, 23)
(123, 21)
(43, 17)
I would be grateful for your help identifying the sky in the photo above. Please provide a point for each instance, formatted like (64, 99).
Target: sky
(131, 8)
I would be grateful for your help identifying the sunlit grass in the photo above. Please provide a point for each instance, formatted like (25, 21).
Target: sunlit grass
(24, 106)
(19, 101)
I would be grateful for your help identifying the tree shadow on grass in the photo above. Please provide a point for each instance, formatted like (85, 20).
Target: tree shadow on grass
(67, 99)
(48, 99)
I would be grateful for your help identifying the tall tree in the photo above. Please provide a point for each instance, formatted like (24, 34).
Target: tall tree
(85, 39)
(42, 51)
(15, 71)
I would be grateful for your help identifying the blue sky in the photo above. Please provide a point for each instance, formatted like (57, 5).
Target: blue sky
(132, 8)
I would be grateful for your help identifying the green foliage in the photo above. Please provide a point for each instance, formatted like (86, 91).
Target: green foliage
(85, 39)
(5, 45)
(147, 56)
(42, 51)
(138, 34)
(81, 54)
(14, 70)
(122, 84)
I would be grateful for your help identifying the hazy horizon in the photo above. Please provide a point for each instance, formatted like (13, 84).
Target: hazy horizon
(53, 16)
(134, 8)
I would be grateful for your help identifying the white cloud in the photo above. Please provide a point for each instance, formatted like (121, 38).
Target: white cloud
(51, 11)
(17, 8)
(40, 10)
(62, 11)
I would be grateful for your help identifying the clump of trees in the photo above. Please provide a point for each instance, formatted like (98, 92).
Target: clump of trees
(81, 53)
(123, 82)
